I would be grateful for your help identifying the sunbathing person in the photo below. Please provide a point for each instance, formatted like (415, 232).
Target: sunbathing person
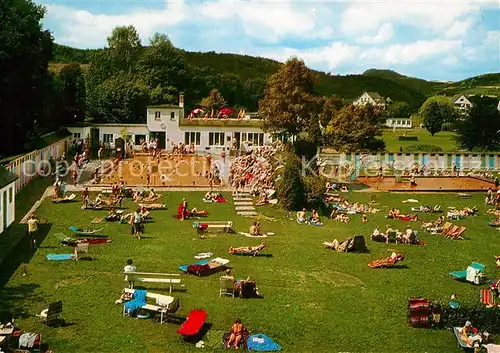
(144, 213)
(113, 216)
(342, 218)
(315, 220)
(236, 334)
(152, 196)
(302, 216)
(377, 235)
(209, 197)
(263, 200)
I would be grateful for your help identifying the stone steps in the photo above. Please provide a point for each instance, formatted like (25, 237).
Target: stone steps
(243, 203)
(246, 213)
(244, 208)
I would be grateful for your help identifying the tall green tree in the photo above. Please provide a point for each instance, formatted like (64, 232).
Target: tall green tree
(214, 101)
(72, 94)
(163, 65)
(124, 48)
(289, 187)
(480, 129)
(355, 129)
(25, 52)
(289, 106)
(435, 111)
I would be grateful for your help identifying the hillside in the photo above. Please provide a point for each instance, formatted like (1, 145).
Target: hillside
(386, 82)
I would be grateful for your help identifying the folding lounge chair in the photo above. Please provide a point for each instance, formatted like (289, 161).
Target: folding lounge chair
(193, 323)
(226, 286)
(248, 251)
(474, 273)
(52, 315)
(82, 248)
(487, 298)
(84, 232)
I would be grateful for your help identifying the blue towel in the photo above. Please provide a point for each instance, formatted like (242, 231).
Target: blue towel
(59, 257)
(262, 343)
(74, 229)
(138, 301)
(184, 268)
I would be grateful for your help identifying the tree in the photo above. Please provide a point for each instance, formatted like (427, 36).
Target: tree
(214, 101)
(355, 129)
(435, 111)
(289, 106)
(480, 129)
(124, 48)
(329, 108)
(289, 187)
(398, 110)
(25, 52)
(162, 64)
(72, 94)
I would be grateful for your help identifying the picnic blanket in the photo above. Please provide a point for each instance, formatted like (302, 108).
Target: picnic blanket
(60, 257)
(262, 343)
(137, 302)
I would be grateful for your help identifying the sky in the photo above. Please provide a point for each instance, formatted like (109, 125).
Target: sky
(434, 40)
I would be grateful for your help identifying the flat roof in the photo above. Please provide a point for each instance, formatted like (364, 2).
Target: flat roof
(107, 124)
(6, 177)
(221, 122)
(165, 106)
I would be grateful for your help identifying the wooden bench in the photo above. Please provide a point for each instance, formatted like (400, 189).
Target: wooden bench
(148, 277)
(164, 304)
(224, 226)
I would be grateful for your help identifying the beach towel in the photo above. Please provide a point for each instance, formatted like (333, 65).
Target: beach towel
(60, 257)
(255, 236)
(492, 348)
(184, 268)
(203, 255)
(262, 343)
(138, 301)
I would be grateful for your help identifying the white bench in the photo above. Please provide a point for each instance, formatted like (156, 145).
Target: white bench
(164, 304)
(148, 277)
(225, 226)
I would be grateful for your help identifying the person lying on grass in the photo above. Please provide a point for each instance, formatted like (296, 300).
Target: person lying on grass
(113, 216)
(342, 218)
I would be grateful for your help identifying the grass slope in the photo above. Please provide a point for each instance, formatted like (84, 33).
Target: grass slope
(444, 139)
(316, 300)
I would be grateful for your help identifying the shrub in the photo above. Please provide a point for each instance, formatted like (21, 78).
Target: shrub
(408, 138)
(485, 319)
(289, 187)
(314, 186)
(423, 148)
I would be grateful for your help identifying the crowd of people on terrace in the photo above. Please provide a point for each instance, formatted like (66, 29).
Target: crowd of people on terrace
(254, 171)
(224, 113)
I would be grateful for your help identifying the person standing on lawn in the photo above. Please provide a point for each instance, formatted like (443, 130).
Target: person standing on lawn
(32, 231)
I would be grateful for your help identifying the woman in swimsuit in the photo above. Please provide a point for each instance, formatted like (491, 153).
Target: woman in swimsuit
(236, 334)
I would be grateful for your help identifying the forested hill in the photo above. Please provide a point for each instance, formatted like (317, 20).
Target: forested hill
(388, 83)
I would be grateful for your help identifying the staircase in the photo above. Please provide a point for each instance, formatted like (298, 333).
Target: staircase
(243, 204)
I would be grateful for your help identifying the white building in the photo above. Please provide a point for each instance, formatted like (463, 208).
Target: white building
(374, 99)
(462, 103)
(7, 198)
(168, 124)
(399, 123)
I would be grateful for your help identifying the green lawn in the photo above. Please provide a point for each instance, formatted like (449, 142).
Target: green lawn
(315, 300)
(443, 139)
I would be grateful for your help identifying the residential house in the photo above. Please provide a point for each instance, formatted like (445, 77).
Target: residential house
(374, 99)
(7, 198)
(405, 123)
(462, 103)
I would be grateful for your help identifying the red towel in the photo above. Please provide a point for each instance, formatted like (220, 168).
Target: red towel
(193, 323)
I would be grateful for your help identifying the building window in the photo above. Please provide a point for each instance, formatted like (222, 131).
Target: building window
(192, 137)
(256, 138)
(172, 116)
(157, 115)
(107, 138)
(139, 138)
(76, 135)
(10, 195)
(216, 138)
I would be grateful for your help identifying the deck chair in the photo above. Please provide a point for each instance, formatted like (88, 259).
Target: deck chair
(82, 248)
(391, 236)
(52, 316)
(487, 298)
(473, 273)
(226, 286)
(193, 324)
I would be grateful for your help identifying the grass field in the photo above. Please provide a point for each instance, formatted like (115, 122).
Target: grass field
(443, 139)
(315, 300)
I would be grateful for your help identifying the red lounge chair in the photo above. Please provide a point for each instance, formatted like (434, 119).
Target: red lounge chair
(193, 323)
